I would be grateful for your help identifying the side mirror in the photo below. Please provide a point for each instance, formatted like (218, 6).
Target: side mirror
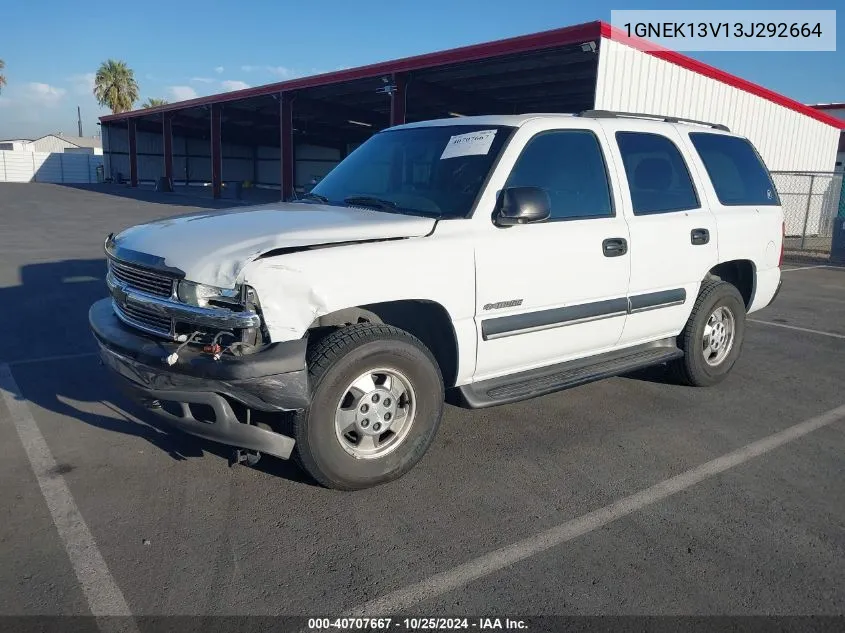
(522, 205)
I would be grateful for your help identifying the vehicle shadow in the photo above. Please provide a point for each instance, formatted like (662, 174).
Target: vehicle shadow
(657, 373)
(58, 370)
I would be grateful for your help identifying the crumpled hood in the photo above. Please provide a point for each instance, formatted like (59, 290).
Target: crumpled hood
(212, 247)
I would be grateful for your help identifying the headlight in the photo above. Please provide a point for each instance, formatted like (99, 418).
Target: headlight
(199, 294)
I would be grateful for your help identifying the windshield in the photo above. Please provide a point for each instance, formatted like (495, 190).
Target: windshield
(435, 171)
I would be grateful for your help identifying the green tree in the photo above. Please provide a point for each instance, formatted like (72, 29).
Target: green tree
(152, 102)
(115, 86)
(2, 76)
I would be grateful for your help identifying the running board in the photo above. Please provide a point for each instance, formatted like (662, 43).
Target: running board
(538, 382)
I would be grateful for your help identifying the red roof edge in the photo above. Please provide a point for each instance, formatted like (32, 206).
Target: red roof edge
(611, 32)
(535, 41)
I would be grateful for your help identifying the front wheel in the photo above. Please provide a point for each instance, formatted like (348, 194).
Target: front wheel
(377, 400)
(712, 338)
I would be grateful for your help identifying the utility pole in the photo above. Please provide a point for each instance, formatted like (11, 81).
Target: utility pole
(79, 119)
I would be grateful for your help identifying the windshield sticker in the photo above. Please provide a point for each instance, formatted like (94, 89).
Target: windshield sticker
(471, 144)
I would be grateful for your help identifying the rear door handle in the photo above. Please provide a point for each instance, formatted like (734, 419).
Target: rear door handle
(614, 246)
(699, 236)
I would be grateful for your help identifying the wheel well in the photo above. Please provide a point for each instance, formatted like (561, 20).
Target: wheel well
(739, 273)
(426, 320)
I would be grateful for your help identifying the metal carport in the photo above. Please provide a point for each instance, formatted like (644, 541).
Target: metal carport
(551, 71)
(280, 135)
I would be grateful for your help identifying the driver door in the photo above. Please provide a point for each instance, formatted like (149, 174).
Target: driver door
(556, 290)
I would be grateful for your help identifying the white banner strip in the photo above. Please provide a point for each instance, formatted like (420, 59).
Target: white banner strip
(712, 30)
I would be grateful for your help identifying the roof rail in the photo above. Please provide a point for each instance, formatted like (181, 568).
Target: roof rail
(610, 114)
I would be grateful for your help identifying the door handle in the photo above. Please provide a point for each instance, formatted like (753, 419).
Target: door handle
(699, 236)
(614, 246)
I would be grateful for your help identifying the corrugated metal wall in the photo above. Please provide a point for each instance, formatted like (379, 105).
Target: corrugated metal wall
(192, 159)
(633, 81)
(48, 167)
(49, 144)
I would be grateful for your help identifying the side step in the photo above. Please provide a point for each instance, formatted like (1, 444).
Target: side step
(538, 382)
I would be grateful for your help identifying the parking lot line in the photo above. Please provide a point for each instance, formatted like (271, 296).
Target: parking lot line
(799, 329)
(104, 596)
(500, 559)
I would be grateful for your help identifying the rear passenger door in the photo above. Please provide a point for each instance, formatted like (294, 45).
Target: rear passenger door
(673, 231)
(745, 203)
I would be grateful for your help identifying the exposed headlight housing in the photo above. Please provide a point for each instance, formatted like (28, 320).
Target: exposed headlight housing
(201, 295)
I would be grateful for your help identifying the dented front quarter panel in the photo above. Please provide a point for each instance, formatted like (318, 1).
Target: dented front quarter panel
(289, 296)
(295, 288)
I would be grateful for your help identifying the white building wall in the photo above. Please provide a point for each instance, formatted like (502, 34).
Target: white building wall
(633, 81)
(84, 150)
(56, 167)
(49, 143)
(15, 146)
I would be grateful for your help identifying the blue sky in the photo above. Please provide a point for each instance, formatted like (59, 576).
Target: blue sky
(182, 48)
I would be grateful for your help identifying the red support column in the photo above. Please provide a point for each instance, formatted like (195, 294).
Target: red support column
(397, 99)
(167, 143)
(286, 144)
(216, 153)
(133, 153)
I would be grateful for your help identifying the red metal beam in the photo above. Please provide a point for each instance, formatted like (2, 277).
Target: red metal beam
(167, 143)
(216, 153)
(133, 153)
(546, 39)
(397, 99)
(286, 144)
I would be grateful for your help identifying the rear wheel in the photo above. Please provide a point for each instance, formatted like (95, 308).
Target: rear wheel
(377, 400)
(712, 338)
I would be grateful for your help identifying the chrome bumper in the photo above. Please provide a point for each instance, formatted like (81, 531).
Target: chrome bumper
(167, 308)
(274, 379)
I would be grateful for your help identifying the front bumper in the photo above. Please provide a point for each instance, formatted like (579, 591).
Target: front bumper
(274, 379)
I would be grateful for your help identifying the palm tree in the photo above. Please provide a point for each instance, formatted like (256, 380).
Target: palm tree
(115, 86)
(153, 102)
(2, 76)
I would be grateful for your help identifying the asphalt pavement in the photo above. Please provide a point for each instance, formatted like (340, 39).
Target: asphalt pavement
(577, 503)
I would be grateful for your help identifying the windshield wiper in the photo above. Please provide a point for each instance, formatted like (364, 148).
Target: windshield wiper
(313, 196)
(369, 201)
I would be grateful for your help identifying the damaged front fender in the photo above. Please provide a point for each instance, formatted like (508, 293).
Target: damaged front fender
(297, 288)
(290, 300)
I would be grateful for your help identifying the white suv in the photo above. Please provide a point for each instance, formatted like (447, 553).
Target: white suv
(482, 260)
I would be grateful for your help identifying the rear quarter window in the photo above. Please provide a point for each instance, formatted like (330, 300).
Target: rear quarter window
(657, 175)
(736, 170)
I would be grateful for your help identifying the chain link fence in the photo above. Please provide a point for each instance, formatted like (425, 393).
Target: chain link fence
(811, 203)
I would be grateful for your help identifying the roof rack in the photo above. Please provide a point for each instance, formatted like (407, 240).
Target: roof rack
(610, 114)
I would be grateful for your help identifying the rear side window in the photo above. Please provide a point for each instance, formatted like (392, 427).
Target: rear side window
(569, 165)
(735, 169)
(657, 174)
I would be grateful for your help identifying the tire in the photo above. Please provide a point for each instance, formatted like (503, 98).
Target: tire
(334, 362)
(693, 368)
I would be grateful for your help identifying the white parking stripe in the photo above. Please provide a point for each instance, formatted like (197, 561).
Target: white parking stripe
(500, 559)
(789, 270)
(103, 595)
(799, 329)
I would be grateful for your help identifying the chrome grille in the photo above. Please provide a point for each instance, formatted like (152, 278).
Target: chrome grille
(144, 319)
(141, 279)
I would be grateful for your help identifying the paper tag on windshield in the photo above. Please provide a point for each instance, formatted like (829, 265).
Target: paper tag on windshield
(471, 144)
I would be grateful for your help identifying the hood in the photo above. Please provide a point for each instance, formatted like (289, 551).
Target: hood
(212, 247)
